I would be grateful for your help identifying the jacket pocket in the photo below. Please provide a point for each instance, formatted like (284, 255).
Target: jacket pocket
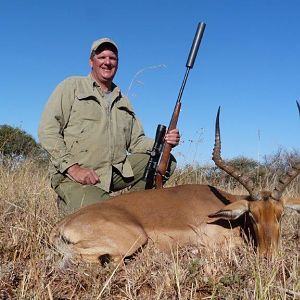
(87, 109)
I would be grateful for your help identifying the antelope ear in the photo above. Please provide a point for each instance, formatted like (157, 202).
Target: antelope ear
(293, 203)
(232, 211)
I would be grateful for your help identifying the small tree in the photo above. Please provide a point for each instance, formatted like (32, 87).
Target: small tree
(17, 144)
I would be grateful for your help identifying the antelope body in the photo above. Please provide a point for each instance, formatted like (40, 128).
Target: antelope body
(180, 215)
(121, 225)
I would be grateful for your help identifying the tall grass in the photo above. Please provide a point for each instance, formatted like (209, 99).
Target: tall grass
(31, 269)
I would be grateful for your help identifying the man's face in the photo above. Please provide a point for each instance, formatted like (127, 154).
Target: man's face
(104, 65)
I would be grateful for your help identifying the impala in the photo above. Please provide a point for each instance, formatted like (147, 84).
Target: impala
(180, 215)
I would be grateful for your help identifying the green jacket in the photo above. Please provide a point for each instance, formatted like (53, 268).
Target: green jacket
(79, 126)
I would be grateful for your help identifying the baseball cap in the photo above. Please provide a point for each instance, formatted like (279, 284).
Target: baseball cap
(96, 44)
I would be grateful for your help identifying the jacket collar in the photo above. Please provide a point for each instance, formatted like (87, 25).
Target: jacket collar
(116, 92)
(88, 88)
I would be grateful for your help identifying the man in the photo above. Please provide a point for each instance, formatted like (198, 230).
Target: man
(96, 143)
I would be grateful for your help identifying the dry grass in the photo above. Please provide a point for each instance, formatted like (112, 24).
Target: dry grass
(30, 269)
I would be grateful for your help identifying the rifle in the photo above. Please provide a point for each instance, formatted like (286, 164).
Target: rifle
(156, 169)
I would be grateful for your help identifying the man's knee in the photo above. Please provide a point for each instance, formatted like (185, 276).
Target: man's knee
(73, 195)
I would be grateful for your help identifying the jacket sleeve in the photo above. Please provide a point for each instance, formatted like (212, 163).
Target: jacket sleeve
(53, 121)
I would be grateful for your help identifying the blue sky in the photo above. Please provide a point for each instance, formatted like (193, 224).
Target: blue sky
(248, 63)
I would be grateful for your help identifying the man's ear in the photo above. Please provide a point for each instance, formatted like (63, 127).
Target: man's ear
(293, 203)
(232, 211)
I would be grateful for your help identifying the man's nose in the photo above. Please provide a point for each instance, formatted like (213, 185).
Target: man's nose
(107, 60)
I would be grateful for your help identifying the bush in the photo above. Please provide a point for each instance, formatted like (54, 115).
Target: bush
(17, 145)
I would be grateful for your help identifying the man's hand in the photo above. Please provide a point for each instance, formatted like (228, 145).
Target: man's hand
(173, 137)
(83, 175)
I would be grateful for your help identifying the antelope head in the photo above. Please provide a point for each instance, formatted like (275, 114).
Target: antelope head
(265, 208)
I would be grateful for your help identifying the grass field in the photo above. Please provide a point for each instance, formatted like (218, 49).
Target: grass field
(31, 269)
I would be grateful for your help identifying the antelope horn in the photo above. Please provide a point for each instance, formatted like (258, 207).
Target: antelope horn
(286, 179)
(245, 181)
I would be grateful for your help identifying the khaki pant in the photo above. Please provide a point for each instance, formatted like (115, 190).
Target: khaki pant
(73, 195)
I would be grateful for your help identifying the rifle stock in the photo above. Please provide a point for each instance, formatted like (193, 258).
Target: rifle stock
(166, 151)
(161, 161)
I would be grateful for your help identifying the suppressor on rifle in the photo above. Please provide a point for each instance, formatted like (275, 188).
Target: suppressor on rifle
(195, 45)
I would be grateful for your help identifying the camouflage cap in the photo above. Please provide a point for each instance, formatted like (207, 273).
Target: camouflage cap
(96, 44)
